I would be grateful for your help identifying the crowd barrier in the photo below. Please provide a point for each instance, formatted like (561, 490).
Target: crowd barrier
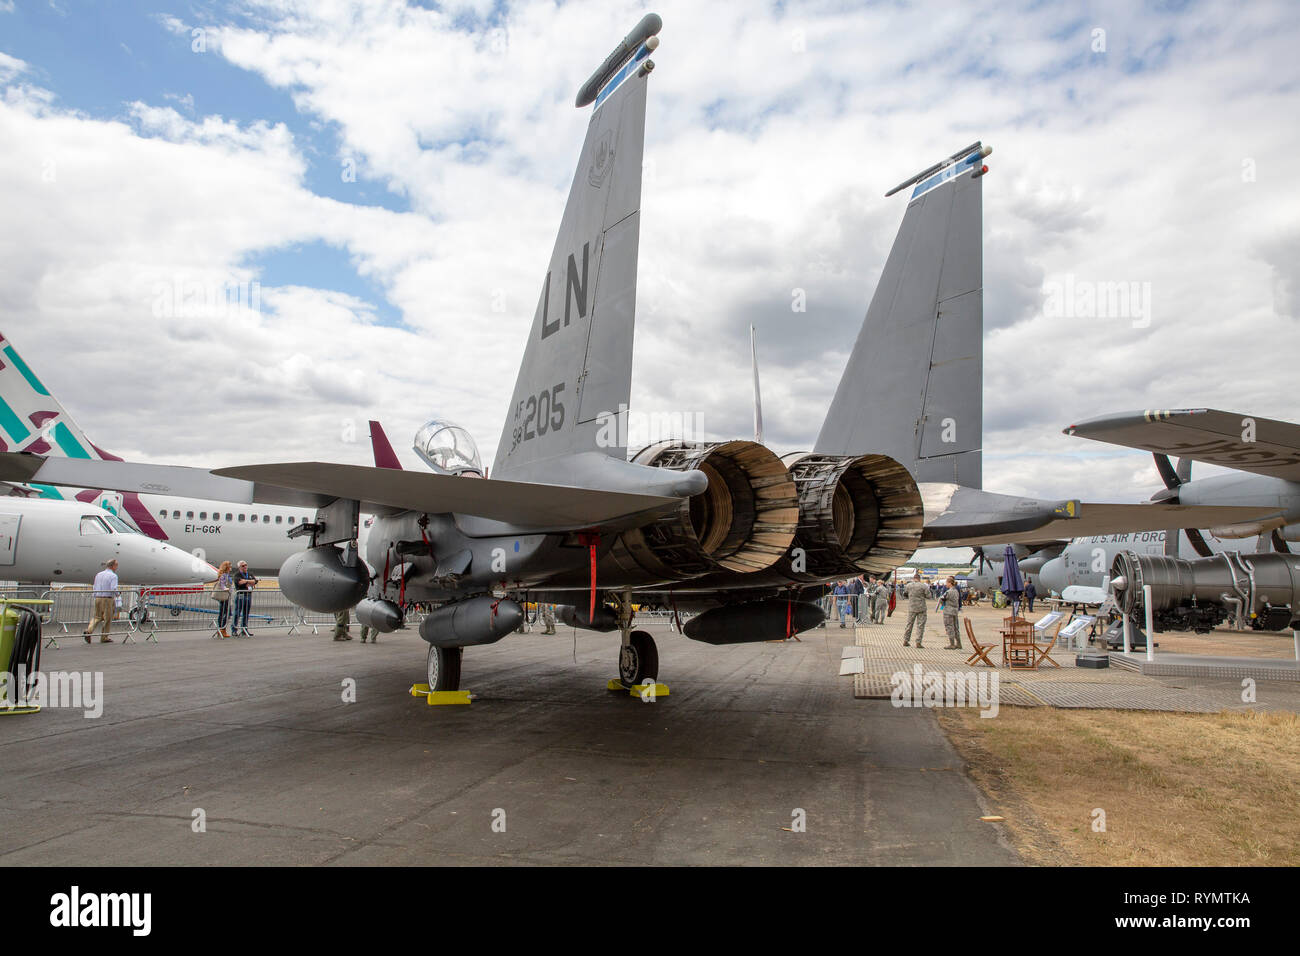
(146, 612)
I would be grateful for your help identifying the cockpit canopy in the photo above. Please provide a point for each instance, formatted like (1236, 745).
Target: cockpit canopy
(448, 448)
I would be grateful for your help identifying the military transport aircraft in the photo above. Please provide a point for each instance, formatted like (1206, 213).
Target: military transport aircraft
(1268, 450)
(728, 525)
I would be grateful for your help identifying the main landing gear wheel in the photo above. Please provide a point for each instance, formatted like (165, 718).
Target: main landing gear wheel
(443, 668)
(638, 660)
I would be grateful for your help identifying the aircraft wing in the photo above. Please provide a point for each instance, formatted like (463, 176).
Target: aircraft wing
(142, 478)
(957, 516)
(517, 506)
(1259, 445)
(526, 506)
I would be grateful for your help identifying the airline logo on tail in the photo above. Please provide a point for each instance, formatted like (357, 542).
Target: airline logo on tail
(33, 420)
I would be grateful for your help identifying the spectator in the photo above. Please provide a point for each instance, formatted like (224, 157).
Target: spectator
(221, 594)
(244, 583)
(841, 593)
(1030, 593)
(107, 601)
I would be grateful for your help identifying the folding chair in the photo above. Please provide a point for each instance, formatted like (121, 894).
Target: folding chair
(1018, 651)
(1042, 642)
(981, 650)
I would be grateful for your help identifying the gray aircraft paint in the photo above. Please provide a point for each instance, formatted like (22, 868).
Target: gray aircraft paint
(1267, 450)
(578, 360)
(915, 380)
(915, 376)
(1262, 446)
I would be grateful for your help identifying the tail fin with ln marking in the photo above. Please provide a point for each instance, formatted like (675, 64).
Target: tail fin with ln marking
(576, 374)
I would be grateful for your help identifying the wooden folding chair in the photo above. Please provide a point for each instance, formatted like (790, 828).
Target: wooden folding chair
(981, 650)
(1018, 650)
(1042, 642)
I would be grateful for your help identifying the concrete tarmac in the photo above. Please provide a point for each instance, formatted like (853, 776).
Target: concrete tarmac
(255, 734)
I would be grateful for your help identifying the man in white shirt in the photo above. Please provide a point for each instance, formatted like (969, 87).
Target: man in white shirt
(106, 601)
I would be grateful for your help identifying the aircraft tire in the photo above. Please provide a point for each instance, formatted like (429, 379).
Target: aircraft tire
(639, 660)
(443, 668)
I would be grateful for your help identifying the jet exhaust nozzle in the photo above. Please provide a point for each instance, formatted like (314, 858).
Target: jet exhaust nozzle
(754, 621)
(382, 615)
(317, 579)
(744, 520)
(857, 515)
(480, 620)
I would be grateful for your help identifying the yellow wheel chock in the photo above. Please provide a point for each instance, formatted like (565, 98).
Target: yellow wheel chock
(440, 698)
(646, 691)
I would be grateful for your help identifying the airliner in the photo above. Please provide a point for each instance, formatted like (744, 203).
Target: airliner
(33, 420)
(69, 542)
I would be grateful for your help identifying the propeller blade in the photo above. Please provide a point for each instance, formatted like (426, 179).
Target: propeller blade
(1198, 543)
(1183, 470)
(1279, 543)
(1168, 474)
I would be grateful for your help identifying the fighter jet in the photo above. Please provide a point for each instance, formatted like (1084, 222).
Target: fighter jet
(728, 526)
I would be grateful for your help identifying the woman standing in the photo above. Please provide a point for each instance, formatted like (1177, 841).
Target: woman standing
(950, 604)
(221, 594)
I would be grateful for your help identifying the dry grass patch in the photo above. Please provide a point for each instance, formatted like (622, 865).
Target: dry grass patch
(1177, 789)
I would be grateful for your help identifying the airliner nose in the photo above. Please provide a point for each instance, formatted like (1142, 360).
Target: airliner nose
(146, 561)
(1053, 576)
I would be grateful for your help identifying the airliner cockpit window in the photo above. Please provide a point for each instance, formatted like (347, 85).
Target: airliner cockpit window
(90, 524)
(118, 525)
(448, 448)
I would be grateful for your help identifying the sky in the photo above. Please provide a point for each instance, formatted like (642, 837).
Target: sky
(366, 196)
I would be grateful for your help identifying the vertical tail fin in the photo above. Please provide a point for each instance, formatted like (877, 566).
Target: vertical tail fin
(913, 387)
(33, 420)
(382, 448)
(577, 366)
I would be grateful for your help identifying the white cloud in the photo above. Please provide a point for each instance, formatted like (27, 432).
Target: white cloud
(772, 137)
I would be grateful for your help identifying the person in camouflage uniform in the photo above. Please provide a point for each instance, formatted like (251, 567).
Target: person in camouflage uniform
(918, 597)
(950, 604)
(548, 618)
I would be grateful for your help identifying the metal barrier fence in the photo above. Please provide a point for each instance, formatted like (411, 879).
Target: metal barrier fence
(150, 611)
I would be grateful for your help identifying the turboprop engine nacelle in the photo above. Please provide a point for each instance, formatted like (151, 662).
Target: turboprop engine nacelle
(1263, 589)
(382, 615)
(753, 621)
(319, 580)
(480, 620)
